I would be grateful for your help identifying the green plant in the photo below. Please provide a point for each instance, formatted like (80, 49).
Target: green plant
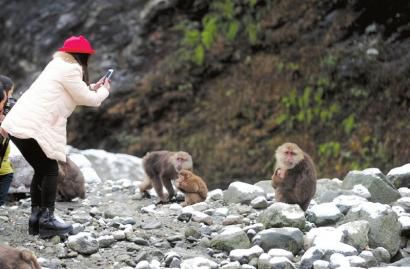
(306, 107)
(329, 149)
(221, 21)
(349, 124)
(329, 60)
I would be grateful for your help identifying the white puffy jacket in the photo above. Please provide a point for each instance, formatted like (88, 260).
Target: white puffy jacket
(42, 111)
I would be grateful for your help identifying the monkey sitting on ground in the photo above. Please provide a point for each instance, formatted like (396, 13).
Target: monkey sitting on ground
(192, 186)
(161, 167)
(70, 181)
(294, 177)
(13, 258)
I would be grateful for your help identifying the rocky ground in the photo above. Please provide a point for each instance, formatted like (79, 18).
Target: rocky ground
(347, 224)
(115, 208)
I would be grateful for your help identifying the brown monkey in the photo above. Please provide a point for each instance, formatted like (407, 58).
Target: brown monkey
(70, 181)
(161, 167)
(13, 258)
(192, 186)
(294, 177)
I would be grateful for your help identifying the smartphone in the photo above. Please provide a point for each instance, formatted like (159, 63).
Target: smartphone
(108, 74)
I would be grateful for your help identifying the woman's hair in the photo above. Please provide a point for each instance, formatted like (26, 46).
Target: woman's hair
(7, 83)
(3, 93)
(82, 59)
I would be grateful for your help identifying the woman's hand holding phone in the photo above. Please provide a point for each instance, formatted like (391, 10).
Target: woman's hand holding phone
(105, 80)
(107, 84)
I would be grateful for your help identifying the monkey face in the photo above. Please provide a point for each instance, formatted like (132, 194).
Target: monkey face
(183, 161)
(289, 155)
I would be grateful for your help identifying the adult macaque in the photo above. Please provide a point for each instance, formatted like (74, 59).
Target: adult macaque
(161, 167)
(13, 258)
(192, 186)
(70, 181)
(294, 177)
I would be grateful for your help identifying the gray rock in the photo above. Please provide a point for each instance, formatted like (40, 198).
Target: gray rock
(264, 261)
(345, 202)
(405, 225)
(143, 265)
(381, 255)
(231, 238)
(400, 176)
(281, 262)
(266, 185)
(199, 262)
(290, 239)
(356, 261)
(322, 234)
(381, 189)
(83, 243)
(324, 187)
(259, 203)
(369, 258)
(113, 166)
(105, 241)
(239, 192)
(231, 265)
(329, 248)
(319, 264)
(245, 254)
(312, 255)
(356, 234)
(278, 252)
(282, 215)
(385, 228)
(404, 203)
(338, 260)
(232, 220)
(402, 263)
(324, 214)
(215, 195)
(152, 224)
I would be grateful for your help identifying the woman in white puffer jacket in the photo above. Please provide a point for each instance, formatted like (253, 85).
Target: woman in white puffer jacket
(37, 126)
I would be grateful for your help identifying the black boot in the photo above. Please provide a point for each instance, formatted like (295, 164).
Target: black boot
(49, 226)
(33, 220)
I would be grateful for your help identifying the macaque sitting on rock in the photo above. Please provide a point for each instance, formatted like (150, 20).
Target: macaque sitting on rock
(70, 181)
(13, 258)
(294, 177)
(161, 167)
(192, 186)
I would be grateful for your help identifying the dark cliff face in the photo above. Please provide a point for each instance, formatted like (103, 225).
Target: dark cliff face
(33, 31)
(346, 63)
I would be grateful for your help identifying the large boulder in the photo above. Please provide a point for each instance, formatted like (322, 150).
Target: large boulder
(231, 238)
(113, 166)
(242, 193)
(381, 189)
(400, 176)
(384, 225)
(283, 215)
(290, 239)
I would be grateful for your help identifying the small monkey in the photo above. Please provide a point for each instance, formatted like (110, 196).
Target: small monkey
(294, 177)
(13, 258)
(70, 181)
(192, 186)
(161, 167)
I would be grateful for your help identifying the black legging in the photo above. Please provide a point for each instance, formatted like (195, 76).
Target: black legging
(43, 187)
